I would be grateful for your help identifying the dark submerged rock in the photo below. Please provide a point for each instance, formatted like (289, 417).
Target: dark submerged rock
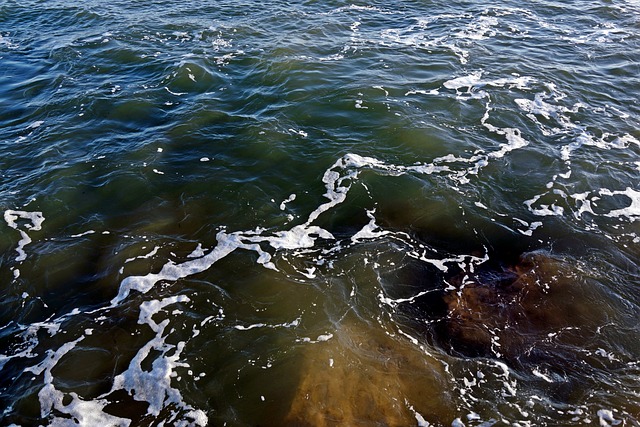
(513, 312)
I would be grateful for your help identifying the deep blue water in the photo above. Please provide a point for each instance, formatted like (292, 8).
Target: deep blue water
(320, 213)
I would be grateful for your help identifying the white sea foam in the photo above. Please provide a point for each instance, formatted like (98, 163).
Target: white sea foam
(334, 57)
(607, 419)
(474, 81)
(321, 338)
(433, 92)
(542, 375)
(36, 124)
(227, 243)
(419, 418)
(247, 328)
(35, 218)
(77, 411)
(29, 341)
(393, 302)
(369, 231)
(197, 252)
(291, 324)
(83, 234)
(464, 82)
(300, 236)
(559, 122)
(154, 386)
(283, 205)
(5, 41)
(457, 39)
(514, 141)
(299, 132)
(465, 262)
(632, 211)
(337, 179)
(479, 29)
(147, 256)
(585, 202)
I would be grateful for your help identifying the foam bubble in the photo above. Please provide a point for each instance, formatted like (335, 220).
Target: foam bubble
(283, 205)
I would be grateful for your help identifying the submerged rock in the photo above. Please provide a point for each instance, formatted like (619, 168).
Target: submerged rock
(514, 312)
(363, 376)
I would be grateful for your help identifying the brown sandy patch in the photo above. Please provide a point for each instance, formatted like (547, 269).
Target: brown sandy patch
(363, 376)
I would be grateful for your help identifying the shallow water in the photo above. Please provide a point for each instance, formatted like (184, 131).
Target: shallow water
(320, 213)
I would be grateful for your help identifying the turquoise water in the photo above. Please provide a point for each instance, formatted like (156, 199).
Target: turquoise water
(320, 213)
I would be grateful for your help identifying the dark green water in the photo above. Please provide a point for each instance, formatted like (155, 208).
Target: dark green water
(320, 213)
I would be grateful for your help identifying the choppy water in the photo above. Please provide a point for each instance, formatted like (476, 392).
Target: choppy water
(320, 213)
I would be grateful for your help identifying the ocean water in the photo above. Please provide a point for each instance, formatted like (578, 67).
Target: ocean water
(320, 213)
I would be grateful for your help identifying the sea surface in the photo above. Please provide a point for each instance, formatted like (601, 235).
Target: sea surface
(319, 213)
